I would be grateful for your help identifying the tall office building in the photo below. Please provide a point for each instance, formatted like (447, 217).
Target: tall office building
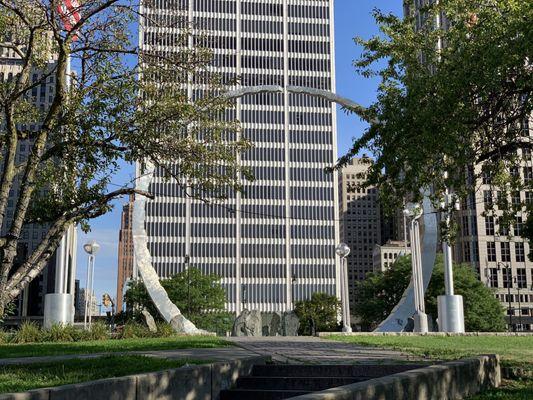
(273, 243)
(125, 251)
(63, 263)
(499, 257)
(360, 221)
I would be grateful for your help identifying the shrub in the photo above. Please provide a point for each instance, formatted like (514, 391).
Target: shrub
(28, 332)
(133, 330)
(98, 331)
(164, 329)
(58, 333)
(218, 322)
(4, 337)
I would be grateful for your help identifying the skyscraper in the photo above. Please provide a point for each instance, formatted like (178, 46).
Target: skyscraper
(498, 255)
(360, 226)
(125, 251)
(273, 243)
(59, 274)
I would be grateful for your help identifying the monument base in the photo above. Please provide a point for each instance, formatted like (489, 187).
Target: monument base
(451, 314)
(421, 322)
(58, 309)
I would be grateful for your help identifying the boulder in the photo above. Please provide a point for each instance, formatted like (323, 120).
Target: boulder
(247, 324)
(271, 323)
(152, 327)
(290, 324)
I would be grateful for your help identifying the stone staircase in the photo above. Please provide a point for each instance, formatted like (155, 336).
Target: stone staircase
(283, 381)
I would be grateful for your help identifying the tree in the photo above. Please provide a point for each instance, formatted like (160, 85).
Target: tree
(452, 115)
(318, 314)
(104, 117)
(200, 296)
(380, 292)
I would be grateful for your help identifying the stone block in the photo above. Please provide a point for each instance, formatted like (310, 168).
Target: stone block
(225, 374)
(290, 324)
(248, 324)
(37, 394)
(187, 383)
(122, 388)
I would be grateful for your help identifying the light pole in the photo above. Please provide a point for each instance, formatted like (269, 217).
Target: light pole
(91, 248)
(294, 279)
(509, 285)
(450, 306)
(342, 251)
(414, 212)
(519, 304)
(187, 259)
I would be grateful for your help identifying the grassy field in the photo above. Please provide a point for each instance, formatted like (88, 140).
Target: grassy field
(514, 352)
(32, 376)
(110, 346)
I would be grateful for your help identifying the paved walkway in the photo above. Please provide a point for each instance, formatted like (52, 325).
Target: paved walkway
(219, 354)
(305, 350)
(313, 350)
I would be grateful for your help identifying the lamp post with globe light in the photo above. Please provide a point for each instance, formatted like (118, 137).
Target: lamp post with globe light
(342, 251)
(91, 248)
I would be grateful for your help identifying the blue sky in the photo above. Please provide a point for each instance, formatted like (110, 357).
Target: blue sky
(352, 18)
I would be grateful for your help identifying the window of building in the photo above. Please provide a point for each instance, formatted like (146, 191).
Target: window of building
(487, 198)
(521, 278)
(520, 255)
(518, 226)
(493, 277)
(489, 225)
(505, 248)
(507, 278)
(491, 251)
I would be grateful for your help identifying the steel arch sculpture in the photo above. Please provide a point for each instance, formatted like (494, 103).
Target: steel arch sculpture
(396, 321)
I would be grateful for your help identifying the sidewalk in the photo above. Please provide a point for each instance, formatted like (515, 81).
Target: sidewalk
(313, 350)
(221, 354)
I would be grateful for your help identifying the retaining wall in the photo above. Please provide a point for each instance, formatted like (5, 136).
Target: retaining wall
(451, 380)
(197, 382)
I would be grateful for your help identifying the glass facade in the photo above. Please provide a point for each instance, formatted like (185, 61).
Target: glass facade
(274, 243)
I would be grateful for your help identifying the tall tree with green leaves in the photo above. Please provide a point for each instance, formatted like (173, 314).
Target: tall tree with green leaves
(106, 116)
(450, 115)
(199, 296)
(380, 292)
(318, 314)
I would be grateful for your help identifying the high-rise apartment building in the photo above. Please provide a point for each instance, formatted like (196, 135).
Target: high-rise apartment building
(125, 251)
(360, 221)
(63, 264)
(274, 243)
(499, 256)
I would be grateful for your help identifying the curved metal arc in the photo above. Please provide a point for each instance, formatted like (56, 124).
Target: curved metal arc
(169, 311)
(395, 322)
(398, 318)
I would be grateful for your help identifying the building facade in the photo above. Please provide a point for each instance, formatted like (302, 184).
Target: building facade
(385, 255)
(499, 256)
(360, 221)
(59, 275)
(274, 243)
(125, 251)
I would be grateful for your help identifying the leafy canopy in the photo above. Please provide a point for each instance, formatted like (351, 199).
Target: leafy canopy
(380, 292)
(445, 116)
(318, 314)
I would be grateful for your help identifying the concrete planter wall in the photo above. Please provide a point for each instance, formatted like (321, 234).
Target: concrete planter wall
(451, 380)
(199, 382)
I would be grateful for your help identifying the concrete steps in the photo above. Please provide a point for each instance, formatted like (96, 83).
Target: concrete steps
(283, 381)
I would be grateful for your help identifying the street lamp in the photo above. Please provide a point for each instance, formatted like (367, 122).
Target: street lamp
(519, 304)
(91, 248)
(509, 285)
(342, 251)
(294, 279)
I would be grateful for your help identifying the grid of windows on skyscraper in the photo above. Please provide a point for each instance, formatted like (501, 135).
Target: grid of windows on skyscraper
(274, 243)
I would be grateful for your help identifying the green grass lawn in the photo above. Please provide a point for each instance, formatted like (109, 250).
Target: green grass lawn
(514, 352)
(33, 376)
(110, 346)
